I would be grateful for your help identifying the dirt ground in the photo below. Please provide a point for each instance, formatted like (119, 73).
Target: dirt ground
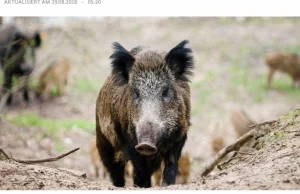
(270, 160)
(230, 73)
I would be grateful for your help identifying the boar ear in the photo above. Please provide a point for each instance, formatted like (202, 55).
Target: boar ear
(121, 62)
(180, 61)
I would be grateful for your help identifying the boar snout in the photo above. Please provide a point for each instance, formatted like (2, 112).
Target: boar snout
(146, 149)
(147, 135)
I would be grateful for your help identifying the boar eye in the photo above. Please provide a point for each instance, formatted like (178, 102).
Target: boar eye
(166, 93)
(136, 94)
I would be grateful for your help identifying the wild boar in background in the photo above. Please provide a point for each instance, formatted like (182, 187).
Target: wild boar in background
(57, 74)
(217, 144)
(17, 55)
(143, 112)
(285, 62)
(240, 121)
(217, 131)
(96, 161)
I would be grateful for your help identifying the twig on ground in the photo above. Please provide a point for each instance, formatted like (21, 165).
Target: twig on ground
(244, 153)
(233, 157)
(222, 153)
(227, 161)
(284, 126)
(263, 123)
(41, 160)
(287, 154)
(5, 155)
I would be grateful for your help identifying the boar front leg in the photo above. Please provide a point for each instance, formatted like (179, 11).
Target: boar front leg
(141, 173)
(171, 164)
(116, 169)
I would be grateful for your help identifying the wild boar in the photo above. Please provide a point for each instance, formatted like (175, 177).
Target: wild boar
(217, 144)
(57, 74)
(143, 112)
(285, 62)
(217, 131)
(240, 121)
(17, 55)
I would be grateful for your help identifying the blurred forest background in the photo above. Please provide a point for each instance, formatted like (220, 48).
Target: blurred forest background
(230, 73)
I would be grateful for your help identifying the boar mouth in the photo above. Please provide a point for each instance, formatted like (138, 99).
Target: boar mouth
(146, 149)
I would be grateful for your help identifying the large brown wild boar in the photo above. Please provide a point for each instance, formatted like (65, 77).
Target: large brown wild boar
(143, 112)
(57, 74)
(286, 63)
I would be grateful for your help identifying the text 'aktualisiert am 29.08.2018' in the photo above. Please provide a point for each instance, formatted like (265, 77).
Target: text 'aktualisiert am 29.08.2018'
(40, 2)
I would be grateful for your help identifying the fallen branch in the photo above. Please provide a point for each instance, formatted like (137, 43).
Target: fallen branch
(233, 157)
(226, 162)
(4, 154)
(41, 160)
(233, 147)
(223, 152)
(245, 153)
(263, 123)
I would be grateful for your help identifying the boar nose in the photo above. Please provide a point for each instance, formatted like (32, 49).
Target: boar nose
(146, 149)
(147, 135)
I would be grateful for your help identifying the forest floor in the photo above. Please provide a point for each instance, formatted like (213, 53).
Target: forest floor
(270, 160)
